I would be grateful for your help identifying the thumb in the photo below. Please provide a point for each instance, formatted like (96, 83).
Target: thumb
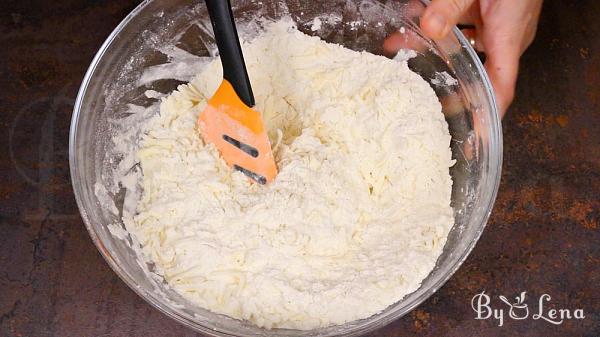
(441, 15)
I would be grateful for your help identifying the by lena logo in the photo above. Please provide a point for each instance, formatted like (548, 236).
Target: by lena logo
(519, 310)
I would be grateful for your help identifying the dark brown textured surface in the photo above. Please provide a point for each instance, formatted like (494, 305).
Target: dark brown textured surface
(543, 236)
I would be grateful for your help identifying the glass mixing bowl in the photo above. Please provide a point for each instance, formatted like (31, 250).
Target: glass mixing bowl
(162, 43)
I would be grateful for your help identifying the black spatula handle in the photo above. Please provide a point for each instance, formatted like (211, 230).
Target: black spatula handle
(234, 68)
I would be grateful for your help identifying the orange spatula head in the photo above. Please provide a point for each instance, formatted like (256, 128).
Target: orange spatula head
(228, 121)
(238, 133)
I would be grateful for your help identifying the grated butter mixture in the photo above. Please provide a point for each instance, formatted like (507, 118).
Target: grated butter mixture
(354, 221)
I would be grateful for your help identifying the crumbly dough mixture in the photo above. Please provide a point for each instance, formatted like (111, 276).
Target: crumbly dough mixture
(356, 217)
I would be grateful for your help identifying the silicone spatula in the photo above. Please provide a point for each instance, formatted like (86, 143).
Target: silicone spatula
(228, 121)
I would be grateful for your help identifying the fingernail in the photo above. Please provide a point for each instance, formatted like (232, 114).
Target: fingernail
(437, 23)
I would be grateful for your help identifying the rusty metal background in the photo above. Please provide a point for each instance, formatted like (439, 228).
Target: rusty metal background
(543, 236)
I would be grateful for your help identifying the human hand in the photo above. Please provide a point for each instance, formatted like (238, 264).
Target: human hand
(503, 31)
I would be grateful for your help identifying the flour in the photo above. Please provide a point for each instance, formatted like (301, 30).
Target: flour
(355, 219)
(403, 55)
(443, 79)
(316, 24)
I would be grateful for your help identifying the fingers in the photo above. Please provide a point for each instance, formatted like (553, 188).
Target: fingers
(441, 15)
(503, 34)
(502, 66)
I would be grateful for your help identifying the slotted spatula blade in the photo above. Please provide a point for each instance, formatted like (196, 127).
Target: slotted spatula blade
(238, 133)
(228, 120)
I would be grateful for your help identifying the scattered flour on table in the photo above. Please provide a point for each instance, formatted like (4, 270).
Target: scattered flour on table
(354, 221)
